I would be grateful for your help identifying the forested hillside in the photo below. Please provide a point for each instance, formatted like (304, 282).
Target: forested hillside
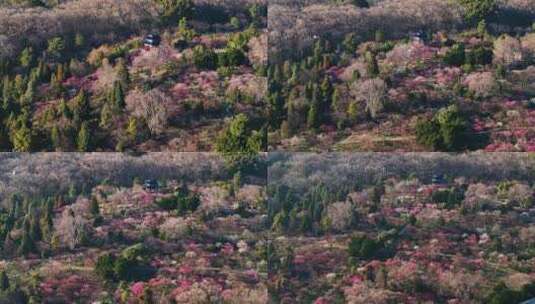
(402, 75)
(113, 228)
(401, 228)
(80, 76)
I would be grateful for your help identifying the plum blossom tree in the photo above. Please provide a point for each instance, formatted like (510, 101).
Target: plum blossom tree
(72, 226)
(152, 106)
(528, 44)
(521, 194)
(373, 92)
(340, 215)
(508, 51)
(482, 84)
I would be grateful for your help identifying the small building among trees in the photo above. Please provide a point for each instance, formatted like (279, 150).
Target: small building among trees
(152, 40)
(150, 185)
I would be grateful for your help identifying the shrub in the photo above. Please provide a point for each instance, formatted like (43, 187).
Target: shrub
(188, 203)
(77, 68)
(453, 126)
(479, 55)
(500, 71)
(183, 201)
(240, 143)
(455, 55)
(446, 131)
(231, 57)
(131, 270)
(450, 197)
(361, 3)
(130, 265)
(204, 58)
(104, 266)
(97, 55)
(364, 247)
(428, 134)
(501, 294)
(349, 43)
(167, 203)
(379, 36)
(235, 22)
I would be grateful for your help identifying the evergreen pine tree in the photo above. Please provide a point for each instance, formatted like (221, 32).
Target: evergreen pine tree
(287, 69)
(60, 73)
(35, 227)
(276, 109)
(56, 84)
(184, 31)
(27, 245)
(63, 110)
(55, 138)
(335, 99)
(372, 66)
(237, 180)
(313, 116)
(29, 95)
(292, 118)
(132, 128)
(47, 224)
(294, 75)
(16, 205)
(19, 87)
(44, 71)
(81, 106)
(105, 116)
(309, 90)
(79, 40)
(95, 210)
(352, 111)
(22, 139)
(326, 91)
(277, 74)
(6, 94)
(26, 57)
(318, 50)
(118, 96)
(4, 281)
(82, 141)
(122, 73)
